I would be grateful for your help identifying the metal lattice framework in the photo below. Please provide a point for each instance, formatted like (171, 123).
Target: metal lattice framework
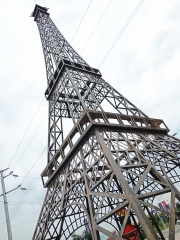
(112, 165)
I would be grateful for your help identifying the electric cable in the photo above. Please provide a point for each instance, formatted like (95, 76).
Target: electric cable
(28, 172)
(26, 131)
(30, 177)
(81, 21)
(41, 190)
(34, 164)
(122, 31)
(16, 119)
(28, 143)
(96, 27)
(25, 203)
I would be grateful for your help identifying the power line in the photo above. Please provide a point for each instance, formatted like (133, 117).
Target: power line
(34, 164)
(29, 172)
(28, 143)
(96, 26)
(25, 203)
(30, 177)
(26, 132)
(29, 189)
(121, 32)
(81, 21)
(17, 118)
(20, 204)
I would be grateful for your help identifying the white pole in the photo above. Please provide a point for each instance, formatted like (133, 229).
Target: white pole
(6, 208)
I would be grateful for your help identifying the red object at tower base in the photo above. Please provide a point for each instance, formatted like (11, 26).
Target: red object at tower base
(130, 233)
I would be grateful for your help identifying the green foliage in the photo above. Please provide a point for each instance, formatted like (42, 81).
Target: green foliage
(83, 236)
(178, 207)
(142, 235)
(76, 237)
(156, 218)
(165, 219)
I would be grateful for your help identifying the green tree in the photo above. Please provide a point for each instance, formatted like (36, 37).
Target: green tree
(76, 237)
(82, 236)
(177, 206)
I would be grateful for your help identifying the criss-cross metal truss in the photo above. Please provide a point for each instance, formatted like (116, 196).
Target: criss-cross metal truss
(112, 166)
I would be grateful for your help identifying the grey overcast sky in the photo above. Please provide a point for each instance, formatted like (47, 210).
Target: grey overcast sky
(144, 66)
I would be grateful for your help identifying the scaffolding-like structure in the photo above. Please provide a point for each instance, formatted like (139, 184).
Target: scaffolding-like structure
(109, 170)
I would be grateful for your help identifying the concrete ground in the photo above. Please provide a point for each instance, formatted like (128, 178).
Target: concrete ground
(177, 234)
(165, 233)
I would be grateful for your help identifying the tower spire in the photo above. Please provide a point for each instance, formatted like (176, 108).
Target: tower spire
(55, 47)
(114, 162)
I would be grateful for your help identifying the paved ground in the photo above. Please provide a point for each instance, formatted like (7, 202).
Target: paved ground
(166, 232)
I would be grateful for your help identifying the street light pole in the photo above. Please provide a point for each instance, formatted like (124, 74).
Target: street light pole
(6, 206)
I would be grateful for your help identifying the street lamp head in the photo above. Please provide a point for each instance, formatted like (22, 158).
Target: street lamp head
(23, 189)
(14, 175)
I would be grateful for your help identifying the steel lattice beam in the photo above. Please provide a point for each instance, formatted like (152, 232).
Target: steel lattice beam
(112, 165)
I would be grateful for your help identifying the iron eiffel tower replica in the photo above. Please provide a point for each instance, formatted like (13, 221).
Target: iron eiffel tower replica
(107, 174)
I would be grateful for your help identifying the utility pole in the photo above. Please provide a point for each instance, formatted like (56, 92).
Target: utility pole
(6, 203)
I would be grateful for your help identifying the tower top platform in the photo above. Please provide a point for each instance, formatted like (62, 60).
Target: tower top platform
(37, 10)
